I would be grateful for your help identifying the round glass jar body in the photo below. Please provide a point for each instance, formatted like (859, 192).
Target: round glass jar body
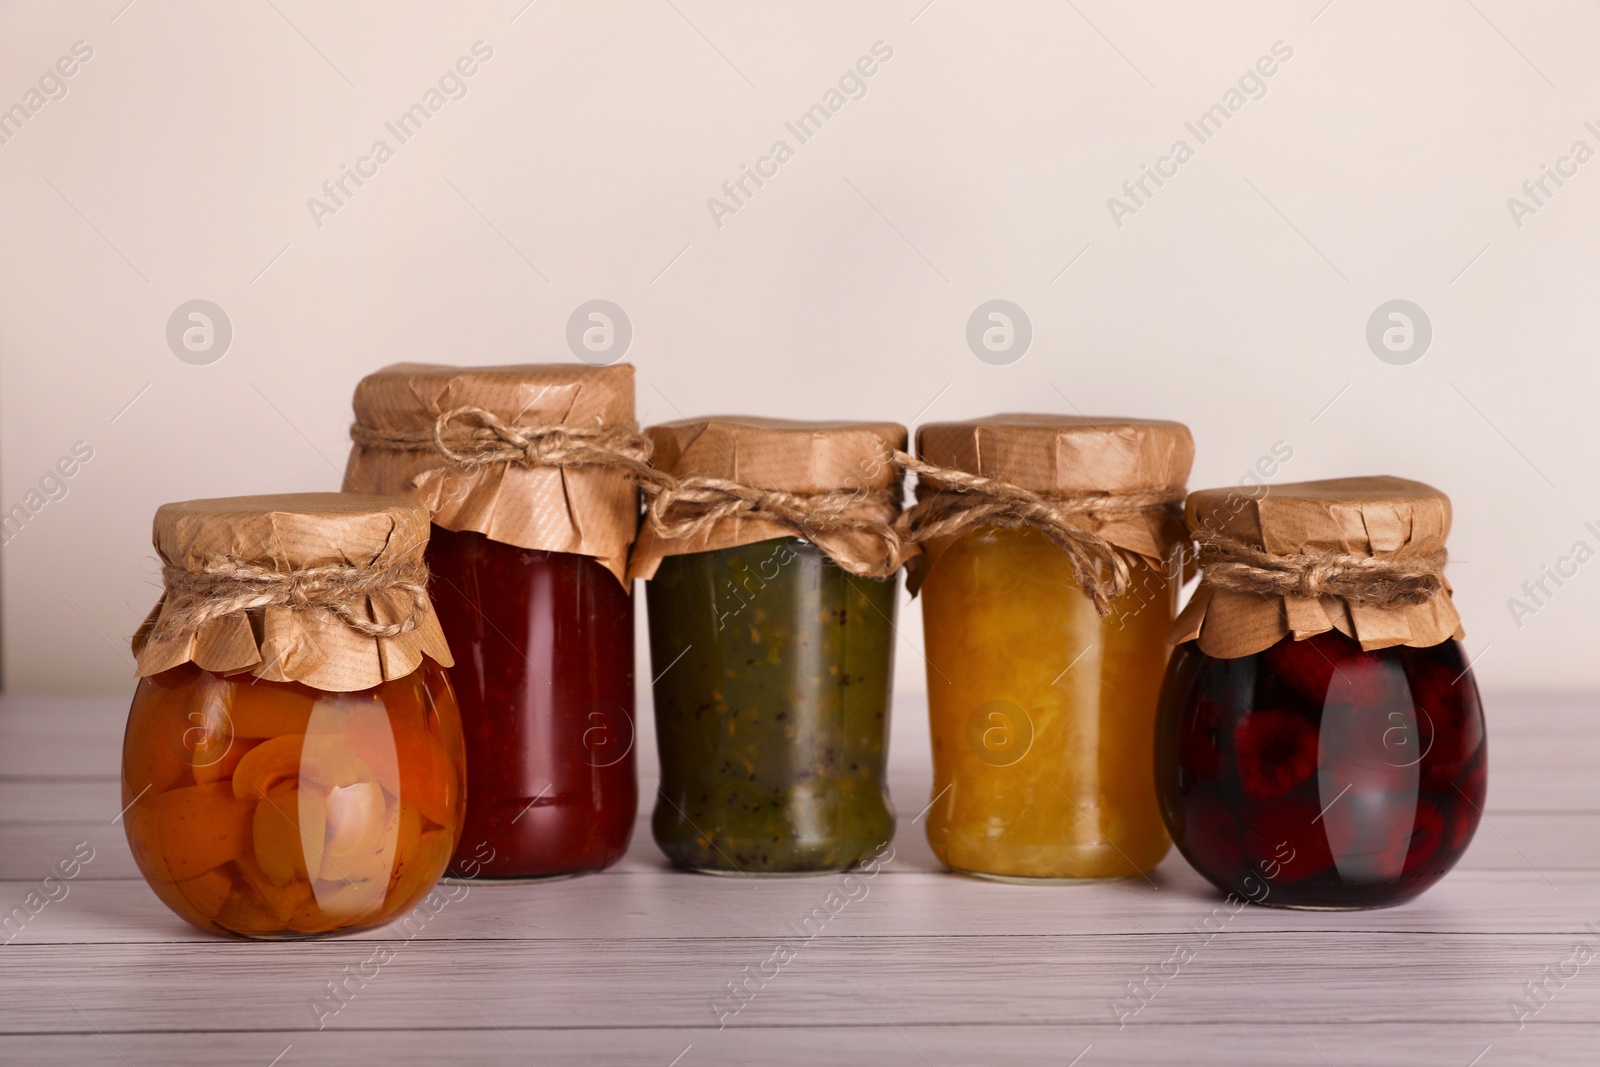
(543, 643)
(1316, 775)
(1042, 713)
(273, 810)
(772, 709)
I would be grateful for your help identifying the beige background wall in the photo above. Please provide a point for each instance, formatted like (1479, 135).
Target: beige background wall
(1375, 163)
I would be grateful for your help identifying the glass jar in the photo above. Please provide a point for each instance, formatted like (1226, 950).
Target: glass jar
(772, 709)
(525, 470)
(1042, 713)
(1042, 708)
(544, 675)
(772, 568)
(1323, 775)
(1321, 742)
(274, 810)
(293, 764)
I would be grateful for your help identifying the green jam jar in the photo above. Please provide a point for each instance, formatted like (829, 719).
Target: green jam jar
(773, 722)
(773, 666)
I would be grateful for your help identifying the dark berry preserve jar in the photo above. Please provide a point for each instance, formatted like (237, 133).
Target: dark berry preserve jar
(527, 471)
(1335, 777)
(1326, 769)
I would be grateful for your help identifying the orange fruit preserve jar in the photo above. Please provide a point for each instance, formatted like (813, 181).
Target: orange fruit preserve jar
(285, 798)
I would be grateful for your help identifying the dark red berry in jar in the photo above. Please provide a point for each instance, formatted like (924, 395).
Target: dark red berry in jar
(1364, 680)
(1309, 668)
(1304, 666)
(1462, 826)
(1201, 754)
(1288, 841)
(1440, 693)
(1211, 830)
(1426, 835)
(1465, 797)
(1276, 751)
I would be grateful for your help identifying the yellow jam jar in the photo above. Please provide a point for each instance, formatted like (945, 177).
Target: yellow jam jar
(1049, 578)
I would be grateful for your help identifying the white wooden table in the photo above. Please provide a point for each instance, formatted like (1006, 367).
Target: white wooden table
(625, 967)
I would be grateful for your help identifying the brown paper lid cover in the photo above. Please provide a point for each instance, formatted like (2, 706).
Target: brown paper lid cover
(788, 455)
(1378, 516)
(589, 511)
(1072, 455)
(292, 532)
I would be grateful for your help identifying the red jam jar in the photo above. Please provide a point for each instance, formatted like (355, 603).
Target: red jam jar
(1320, 741)
(527, 473)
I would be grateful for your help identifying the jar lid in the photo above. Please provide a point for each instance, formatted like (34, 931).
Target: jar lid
(588, 508)
(328, 589)
(1064, 454)
(852, 463)
(1364, 556)
(1072, 459)
(789, 455)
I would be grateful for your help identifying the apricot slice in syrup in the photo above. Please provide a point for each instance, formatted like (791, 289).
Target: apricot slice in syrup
(279, 900)
(289, 827)
(223, 769)
(206, 893)
(295, 758)
(266, 709)
(196, 828)
(418, 772)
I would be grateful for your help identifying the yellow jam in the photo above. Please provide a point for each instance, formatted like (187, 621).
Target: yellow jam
(1043, 713)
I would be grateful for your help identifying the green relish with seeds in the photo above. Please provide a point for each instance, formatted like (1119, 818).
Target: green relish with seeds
(772, 709)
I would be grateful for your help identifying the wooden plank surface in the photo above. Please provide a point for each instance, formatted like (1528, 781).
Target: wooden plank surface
(631, 966)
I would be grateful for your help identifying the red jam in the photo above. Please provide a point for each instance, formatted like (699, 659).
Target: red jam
(1316, 775)
(543, 643)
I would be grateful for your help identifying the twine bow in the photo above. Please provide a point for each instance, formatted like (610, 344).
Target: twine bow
(492, 440)
(689, 506)
(962, 501)
(1388, 582)
(678, 507)
(229, 586)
